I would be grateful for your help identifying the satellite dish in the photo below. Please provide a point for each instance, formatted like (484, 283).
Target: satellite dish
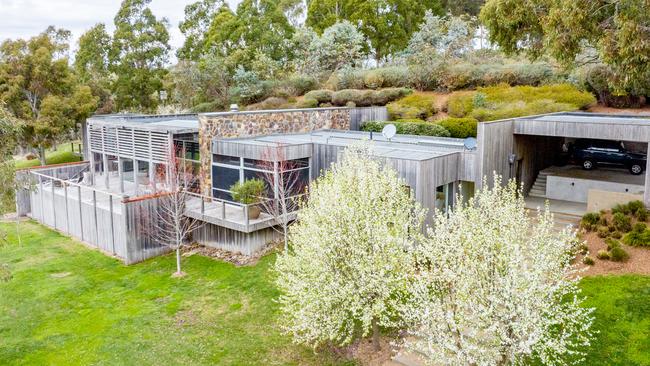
(389, 131)
(470, 143)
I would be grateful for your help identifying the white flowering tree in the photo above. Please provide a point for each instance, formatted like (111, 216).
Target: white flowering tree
(496, 287)
(350, 257)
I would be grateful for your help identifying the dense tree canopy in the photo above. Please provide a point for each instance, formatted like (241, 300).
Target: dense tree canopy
(259, 27)
(91, 59)
(40, 89)
(198, 18)
(138, 55)
(387, 24)
(619, 30)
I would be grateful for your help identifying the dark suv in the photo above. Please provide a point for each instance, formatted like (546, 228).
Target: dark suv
(590, 153)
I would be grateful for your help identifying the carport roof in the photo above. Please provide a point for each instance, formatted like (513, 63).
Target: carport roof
(586, 125)
(584, 117)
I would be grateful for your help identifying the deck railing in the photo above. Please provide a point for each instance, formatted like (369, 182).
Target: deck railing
(241, 212)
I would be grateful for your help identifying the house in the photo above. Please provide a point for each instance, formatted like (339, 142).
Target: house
(109, 200)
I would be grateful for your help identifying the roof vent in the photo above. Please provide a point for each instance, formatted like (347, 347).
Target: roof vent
(234, 108)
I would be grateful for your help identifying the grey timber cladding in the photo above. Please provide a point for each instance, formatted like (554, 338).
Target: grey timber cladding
(609, 131)
(495, 144)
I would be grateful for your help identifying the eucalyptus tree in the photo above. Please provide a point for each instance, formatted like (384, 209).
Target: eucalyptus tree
(41, 90)
(198, 18)
(387, 25)
(618, 30)
(138, 56)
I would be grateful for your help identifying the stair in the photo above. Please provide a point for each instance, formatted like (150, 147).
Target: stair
(539, 187)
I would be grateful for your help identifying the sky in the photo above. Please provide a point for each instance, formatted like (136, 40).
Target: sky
(26, 18)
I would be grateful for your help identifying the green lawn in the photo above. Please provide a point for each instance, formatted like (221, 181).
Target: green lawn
(62, 154)
(69, 305)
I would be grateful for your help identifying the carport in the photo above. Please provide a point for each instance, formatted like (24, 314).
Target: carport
(530, 150)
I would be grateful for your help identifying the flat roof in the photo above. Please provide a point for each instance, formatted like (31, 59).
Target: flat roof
(174, 123)
(586, 117)
(407, 147)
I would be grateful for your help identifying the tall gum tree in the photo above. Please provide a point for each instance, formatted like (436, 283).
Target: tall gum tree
(138, 56)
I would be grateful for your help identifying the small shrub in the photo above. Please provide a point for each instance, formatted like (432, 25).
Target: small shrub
(588, 261)
(460, 104)
(298, 84)
(361, 98)
(30, 156)
(583, 249)
(460, 127)
(207, 107)
(320, 95)
(249, 191)
(616, 235)
(621, 208)
(618, 254)
(603, 231)
(385, 96)
(269, 103)
(602, 254)
(412, 127)
(307, 103)
(637, 239)
(634, 206)
(639, 227)
(412, 106)
(350, 104)
(590, 220)
(622, 222)
(641, 214)
(387, 77)
(603, 221)
(612, 243)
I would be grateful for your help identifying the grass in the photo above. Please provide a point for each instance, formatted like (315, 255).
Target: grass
(62, 154)
(622, 317)
(70, 305)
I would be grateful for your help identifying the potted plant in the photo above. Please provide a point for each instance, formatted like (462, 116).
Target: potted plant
(249, 193)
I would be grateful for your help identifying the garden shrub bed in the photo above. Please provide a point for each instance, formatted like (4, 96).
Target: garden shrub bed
(408, 127)
(503, 101)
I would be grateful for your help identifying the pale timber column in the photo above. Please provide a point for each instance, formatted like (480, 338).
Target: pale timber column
(120, 173)
(646, 191)
(92, 168)
(105, 164)
(135, 176)
(152, 175)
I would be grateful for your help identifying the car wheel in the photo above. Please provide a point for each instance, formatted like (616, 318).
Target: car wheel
(636, 169)
(587, 164)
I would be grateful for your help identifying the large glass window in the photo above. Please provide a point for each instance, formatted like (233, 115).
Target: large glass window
(223, 178)
(225, 159)
(228, 170)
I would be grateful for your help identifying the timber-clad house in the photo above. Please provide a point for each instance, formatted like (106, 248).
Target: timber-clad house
(103, 199)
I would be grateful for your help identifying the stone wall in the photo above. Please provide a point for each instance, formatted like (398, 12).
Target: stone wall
(253, 123)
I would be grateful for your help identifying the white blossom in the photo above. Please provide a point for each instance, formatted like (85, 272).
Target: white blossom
(496, 287)
(350, 260)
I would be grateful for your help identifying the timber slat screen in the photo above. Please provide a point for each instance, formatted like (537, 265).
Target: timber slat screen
(131, 143)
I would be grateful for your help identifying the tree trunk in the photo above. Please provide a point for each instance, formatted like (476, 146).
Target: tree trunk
(41, 154)
(375, 335)
(286, 243)
(178, 260)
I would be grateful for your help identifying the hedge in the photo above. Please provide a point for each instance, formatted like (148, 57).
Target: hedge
(360, 97)
(460, 127)
(320, 95)
(408, 128)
